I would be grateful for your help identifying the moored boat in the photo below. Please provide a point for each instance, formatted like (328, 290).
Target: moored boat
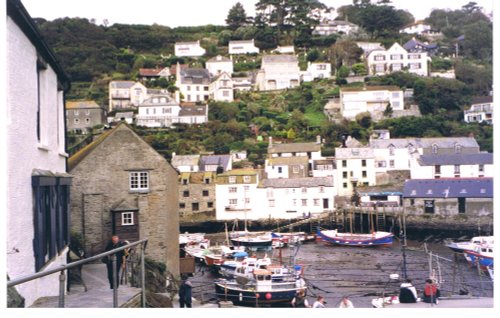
(481, 255)
(460, 247)
(248, 240)
(354, 239)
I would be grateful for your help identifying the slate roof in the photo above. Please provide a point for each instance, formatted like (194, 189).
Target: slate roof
(449, 188)
(370, 88)
(219, 58)
(481, 100)
(121, 84)
(168, 102)
(285, 161)
(81, 104)
(284, 58)
(294, 147)
(298, 182)
(348, 153)
(456, 159)
(241, 42)
(185, 160)
(219, 160)
(149, 71)
(193, 110)
(197, 75)
(442, 142)
(413, 44)
(120, 115)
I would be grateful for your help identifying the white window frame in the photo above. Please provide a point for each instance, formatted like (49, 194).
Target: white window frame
(247, 179)
(127, 218)
(139, 180)
(232, 179)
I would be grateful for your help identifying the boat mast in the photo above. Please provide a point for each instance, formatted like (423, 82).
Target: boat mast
(227, 234)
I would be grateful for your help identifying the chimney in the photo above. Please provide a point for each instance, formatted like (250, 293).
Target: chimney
(270, 142)
(344, 138)
(318, 140)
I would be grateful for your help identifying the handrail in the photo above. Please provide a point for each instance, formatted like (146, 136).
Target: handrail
(27, 278)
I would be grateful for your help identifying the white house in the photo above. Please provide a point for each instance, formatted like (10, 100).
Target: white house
(278, 72)
(311, 150)
(221, 87)
(373, 99)
(323, 167)
(295, 198)
(289, 49)
(481, 110)
(418, 27)
(37, 213)
(158, 111)
(319, 70)
(219, 64)
(396, 58)
(287, 167)
(126, 94)
(243, 47)
(236, 193)
(192, 49)
(355, 167)
(474, 165)
(369, 46)
(192, 114)
(242, 84)
(213, 163)
(147, 74)
(193, 84)
(335, 27)
(186, 163)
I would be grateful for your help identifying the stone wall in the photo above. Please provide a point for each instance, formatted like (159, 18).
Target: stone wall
(101, 184)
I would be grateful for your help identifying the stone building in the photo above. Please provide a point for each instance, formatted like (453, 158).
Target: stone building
(123, 186)
(197, 195)
(83, 114)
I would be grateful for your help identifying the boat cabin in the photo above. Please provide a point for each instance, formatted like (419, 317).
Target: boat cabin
(263, 279)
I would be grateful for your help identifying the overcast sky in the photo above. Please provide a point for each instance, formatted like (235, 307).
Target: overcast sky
(195, 12)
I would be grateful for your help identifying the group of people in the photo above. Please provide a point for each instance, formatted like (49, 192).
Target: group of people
(300, 301)
(408, 292)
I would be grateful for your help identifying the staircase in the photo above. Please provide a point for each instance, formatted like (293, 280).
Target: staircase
(314, 221)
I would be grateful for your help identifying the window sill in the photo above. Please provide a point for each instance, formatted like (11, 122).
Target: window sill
(64, 154)
(43, 147)
(139, 191)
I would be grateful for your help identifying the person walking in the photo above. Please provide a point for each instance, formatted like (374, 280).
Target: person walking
(346, 303)
(120, 255)
(320, 302)
(300, 300)
(185, 292)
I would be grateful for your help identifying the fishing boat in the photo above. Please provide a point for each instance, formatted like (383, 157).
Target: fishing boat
(294, 237)
(216, 255)
(352, 239)
(260, 290)
(243, 267)
(249, 240)
(462, 246)
(481, 255)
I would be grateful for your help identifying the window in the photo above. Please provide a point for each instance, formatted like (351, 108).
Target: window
(304, 190)
(294, 202)
(184, 181)
(295, 169)
(128, 218)
(280, 169)
(458, 148)
(363, 163)
(50, 217)
(271, 203)
(87, 120)
(344, 174)
(76, 112)
(233, 201)
(197, 88)
(246, 188)
(344, 163)
(457, 170)
(381, 164)
(344, 185)
(233, 189)
(429, 206)
(232, 179)
(391, 150)
(188, 88)
(210, 205)
(205, 193)
(77, 121)
(304, 202)
(182, 205)
(437, 169)
(321, 189)
(363, 174)
(379, 57)
(185, 193)
(270, 193)
(412, 202)
(247, 179)
(207, 180)
(461, 205)
(225, 93)
(139, 180)
(391, 163)
(247, 200)
(316, 202)
(481, 168)
(396, 56)
(195, 206)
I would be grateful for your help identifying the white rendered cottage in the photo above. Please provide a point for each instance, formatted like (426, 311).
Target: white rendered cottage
(37, 212)
(219, 64)
(372, 99)
(355, 167)
(278, 72)
(243, 47)
(221, 88)
(158, 111)
(192, 49)
(236, 191)
(395, 59)
(126, 94)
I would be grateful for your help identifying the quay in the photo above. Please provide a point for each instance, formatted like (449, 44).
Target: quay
(451, 302)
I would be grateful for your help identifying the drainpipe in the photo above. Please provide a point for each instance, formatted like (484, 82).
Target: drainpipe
(143, 278)
(115, 280)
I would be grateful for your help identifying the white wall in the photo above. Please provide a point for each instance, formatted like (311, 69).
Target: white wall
(25, 153)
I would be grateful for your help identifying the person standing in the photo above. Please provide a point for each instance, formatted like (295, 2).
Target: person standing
(300, 300)
(120, 255)
(320, 302)
(346, 303)
(185, 292)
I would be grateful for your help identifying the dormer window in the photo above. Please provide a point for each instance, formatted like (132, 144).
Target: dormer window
(458, 148)
(434, 148)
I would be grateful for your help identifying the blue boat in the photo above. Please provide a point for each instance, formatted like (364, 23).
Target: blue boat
(352, 239)
(482, 255)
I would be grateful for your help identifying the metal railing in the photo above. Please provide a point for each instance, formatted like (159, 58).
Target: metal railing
(112, 253)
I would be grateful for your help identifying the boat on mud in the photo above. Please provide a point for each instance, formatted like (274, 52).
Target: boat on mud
(376, 238)
(481, 255)
(462, 246)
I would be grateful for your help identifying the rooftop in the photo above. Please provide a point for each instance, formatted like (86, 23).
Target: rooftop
(298, 182)
(81, 104)
(456, 159)
(449, 188)
(294, 147)
(288, 160)
(121, 84)
(441, 142)
(185, 160)
(283, 58)
(193, 110)
(370, 88)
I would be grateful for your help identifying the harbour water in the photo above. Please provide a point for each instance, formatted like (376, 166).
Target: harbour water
(365, 273)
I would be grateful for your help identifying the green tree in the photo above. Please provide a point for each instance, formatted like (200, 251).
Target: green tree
(236, 17)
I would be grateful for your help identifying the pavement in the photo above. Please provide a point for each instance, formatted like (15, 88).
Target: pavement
(452, 302)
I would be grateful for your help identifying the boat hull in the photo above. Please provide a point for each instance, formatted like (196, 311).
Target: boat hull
(375, 239)
(252, 297)
(247, 243)
(476, 258)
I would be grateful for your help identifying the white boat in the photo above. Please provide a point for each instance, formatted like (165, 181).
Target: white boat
(463, 246)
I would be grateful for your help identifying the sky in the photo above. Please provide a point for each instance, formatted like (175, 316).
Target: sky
(175, 13)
